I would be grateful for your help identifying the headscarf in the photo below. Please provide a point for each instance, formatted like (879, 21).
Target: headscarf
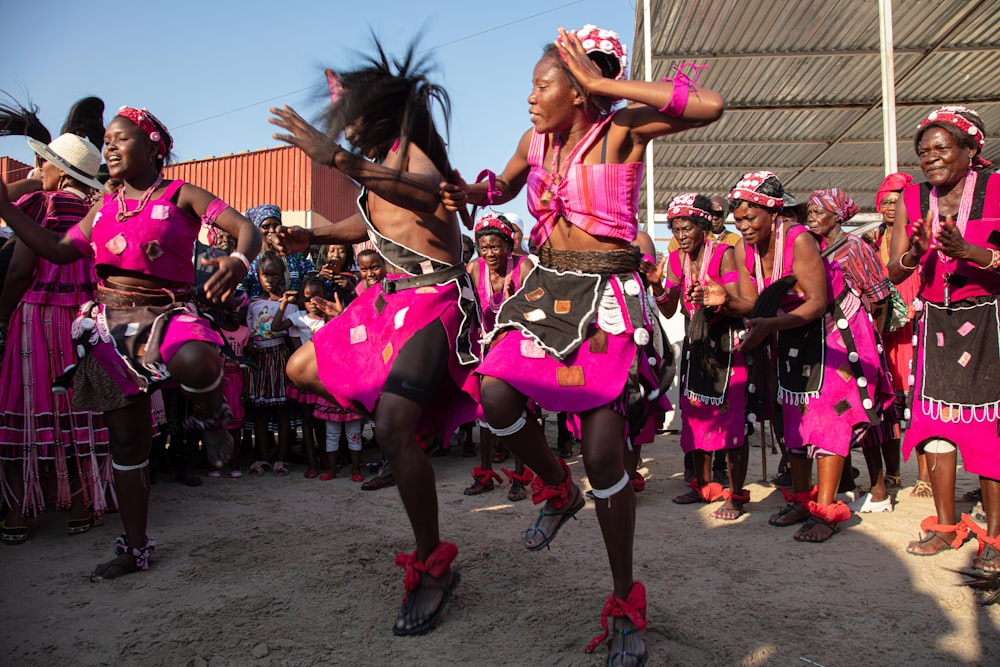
(491, 223)
(595, 39)
(894, 182)
(836, 201)
(683, 206)
(953, 115)
(258, 214)
(148, 123)
(746, 190)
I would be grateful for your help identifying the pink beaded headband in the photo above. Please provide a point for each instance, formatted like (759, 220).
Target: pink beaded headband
(682, 206)
(608, 42)
(746, 190)
(144, 120)
(952, 116)
(491, 223)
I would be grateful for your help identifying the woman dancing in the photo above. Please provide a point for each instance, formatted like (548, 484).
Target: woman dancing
(570, 336)
(143, 328)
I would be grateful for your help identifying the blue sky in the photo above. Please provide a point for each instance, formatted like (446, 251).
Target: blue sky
(210, 70)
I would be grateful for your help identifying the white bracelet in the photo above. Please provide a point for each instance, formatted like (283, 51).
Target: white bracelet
(243, 258)
(904, 266)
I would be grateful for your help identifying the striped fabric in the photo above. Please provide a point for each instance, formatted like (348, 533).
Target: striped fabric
(601, 199)
(863, 271)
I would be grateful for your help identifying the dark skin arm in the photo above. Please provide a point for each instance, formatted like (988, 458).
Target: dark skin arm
(707, 294)
(655, 278)
(280, 322)
(735, 300)
(50, 245)
(808, 269)
(19, 273)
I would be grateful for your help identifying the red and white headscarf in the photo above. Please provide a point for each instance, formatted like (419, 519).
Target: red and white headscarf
(594, 39)
(953, 115)
(491, 223)
(836, 201)
(682, 206)
(894, 182)
(143, 119)
(746, 190)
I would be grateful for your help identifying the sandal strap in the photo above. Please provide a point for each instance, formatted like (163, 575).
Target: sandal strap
(961, 529)
(979, 533)
(738, 497)
(557, 493)
(482, 475)
(632, 607)
(833, 513)
(436, 565)
(524, 478)
(802, 496)
(141, 555)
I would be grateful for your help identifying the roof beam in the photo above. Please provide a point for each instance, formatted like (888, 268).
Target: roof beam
(749, 55)
(674, 167)
(732, 107)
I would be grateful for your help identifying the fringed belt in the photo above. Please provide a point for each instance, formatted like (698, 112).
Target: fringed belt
(591, 261)
(131, 296)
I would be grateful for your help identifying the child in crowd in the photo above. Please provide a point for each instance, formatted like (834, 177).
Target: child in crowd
(338, 260)
(304, 323)
(268, 350)
(232, 324)
(371, 267)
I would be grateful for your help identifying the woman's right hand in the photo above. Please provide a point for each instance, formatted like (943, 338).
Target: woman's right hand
(291, 240)
(454, 196)
(920, 238)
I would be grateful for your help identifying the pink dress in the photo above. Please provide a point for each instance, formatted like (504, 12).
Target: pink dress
(713, 406)
(955, 384)
(831, 382)
(37, 426)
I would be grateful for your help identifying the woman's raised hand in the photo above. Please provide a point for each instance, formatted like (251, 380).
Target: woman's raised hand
(571, 50)
(950, 241)
(317, 145)
(291, 240)
(920, 239)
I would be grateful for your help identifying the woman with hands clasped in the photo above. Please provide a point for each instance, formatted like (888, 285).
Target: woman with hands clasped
(948, 230)
(569, 336)
(143, 329)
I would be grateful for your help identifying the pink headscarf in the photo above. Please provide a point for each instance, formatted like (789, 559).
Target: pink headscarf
(836, 201)
(894, 182)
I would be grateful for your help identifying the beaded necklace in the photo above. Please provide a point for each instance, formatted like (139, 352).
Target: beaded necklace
(557, 173)
(123, 212)
(706, 257)
(779, 256)
(964, 211)
(494, 304)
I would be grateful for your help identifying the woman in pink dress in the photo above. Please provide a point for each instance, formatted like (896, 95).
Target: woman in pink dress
(46, 447)
(948, 231)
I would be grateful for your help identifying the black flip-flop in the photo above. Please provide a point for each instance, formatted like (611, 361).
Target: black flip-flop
(566, 516)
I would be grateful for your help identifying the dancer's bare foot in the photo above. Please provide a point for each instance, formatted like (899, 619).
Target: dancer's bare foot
(930, 544)
(424, 604)
(730, 510)
(627, 646)
(118, 566)
(550, 520)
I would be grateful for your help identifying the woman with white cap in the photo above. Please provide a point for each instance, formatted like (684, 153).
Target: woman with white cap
(44, 443)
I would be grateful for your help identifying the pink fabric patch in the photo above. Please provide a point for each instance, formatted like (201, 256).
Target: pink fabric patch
(966, 329)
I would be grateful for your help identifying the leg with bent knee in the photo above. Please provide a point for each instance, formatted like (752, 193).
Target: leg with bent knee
(942, 459)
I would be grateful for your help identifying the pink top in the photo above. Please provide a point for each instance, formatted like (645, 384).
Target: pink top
(158, 242)
(601, 199)
(969, 279)
(834, 278)
(57, 284)
(486, 301)
(714, 271)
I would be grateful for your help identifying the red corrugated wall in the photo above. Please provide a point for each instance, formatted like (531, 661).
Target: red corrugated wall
(14, 170)
(283, 176)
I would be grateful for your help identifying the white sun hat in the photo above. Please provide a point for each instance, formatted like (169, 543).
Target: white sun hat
(74, 155)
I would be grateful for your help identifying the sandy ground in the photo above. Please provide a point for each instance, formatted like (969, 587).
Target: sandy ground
(290, 571)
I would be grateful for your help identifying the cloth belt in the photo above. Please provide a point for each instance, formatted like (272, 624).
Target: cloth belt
(131, 297)
(435, 278)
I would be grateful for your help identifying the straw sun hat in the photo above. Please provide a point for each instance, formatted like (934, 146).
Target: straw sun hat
(74, 155)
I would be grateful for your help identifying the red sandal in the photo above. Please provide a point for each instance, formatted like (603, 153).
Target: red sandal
(437, 564)
(633, 607)
(483, 481)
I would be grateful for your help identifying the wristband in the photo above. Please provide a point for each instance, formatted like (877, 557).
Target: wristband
(904, 266)
(663, 297)
(994, 264)
(492, 191)
(683, 85)
(243, 258)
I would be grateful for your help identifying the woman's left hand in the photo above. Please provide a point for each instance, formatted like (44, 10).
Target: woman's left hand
(317, 145)
(758, 330)
(950, 241)
(580, 66)
(225, 279)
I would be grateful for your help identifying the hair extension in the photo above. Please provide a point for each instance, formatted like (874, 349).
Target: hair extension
(86, 119)
(17, 119)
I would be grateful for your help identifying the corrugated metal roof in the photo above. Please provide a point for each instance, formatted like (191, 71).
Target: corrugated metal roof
(802, 84)
(13, 170)
(283, 176)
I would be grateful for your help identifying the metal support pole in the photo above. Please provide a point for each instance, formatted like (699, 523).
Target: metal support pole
(648, 70)
(888, 86)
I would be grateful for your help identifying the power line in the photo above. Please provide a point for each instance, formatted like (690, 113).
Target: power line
(438, 46)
